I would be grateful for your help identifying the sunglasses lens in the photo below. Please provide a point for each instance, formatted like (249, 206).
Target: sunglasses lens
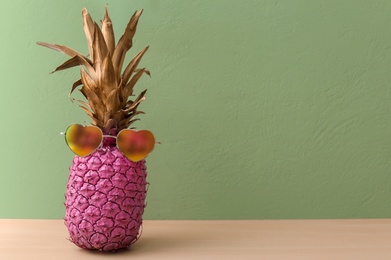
(135, 145)
(83, 140)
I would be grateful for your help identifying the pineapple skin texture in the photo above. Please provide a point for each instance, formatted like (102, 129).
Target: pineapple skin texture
(105, 200)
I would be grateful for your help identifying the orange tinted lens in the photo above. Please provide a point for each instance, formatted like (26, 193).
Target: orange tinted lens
(83, 140)
(135, 145)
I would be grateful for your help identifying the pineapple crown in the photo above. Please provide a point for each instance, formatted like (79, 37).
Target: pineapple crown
(104, 87)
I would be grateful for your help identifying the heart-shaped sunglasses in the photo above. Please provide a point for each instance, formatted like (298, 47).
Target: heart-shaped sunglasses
(84, 140)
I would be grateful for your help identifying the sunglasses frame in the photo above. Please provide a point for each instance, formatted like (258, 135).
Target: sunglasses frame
(101, 142)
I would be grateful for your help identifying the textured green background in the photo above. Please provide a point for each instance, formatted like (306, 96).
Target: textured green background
(266, 109)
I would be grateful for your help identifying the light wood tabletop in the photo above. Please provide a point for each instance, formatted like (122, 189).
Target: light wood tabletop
(254, 239)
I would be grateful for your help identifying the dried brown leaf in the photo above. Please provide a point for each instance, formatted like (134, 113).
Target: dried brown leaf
(88, 81)
(145, 70)
(125, 42)
(83, 103)
(68, 51)
(92, 94)
(127, 121)
(128, 89)
(107, 116)
(75, 85)
(133, 120)
(88, 112)
(107, 32)
(132, 66)
(72, 62)
(89, 29)
(83, 92)
(112, 103)
(135, 114)
(100, 52)
(121, 97)
(133, 105)
(108, 79)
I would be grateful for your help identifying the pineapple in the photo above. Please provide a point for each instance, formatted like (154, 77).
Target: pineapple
(106, 192)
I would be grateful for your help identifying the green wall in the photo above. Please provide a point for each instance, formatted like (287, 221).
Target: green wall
(266, 109)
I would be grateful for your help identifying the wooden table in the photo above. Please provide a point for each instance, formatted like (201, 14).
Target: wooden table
(263, 239)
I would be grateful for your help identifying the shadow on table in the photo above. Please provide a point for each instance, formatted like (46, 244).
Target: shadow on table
(155, 244)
